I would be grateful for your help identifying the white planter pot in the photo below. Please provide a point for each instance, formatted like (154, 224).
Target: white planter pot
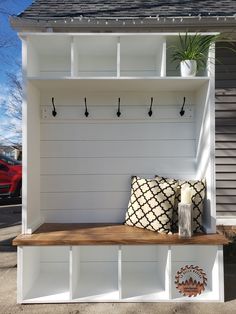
(188, 68)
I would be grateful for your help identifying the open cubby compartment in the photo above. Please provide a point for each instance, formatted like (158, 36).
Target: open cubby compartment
(95, 56)
(209, 258)
(49, 56)
(142, 56)
(44, 274)
(95, 273)
(144, 272)
(173, 67)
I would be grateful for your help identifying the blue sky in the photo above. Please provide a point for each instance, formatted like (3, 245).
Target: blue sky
(8, 56)
(13, 52)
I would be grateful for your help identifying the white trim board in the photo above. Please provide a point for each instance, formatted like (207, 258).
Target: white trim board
(226, 220)
(112, 34)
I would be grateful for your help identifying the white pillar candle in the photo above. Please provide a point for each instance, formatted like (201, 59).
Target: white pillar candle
(186, 195)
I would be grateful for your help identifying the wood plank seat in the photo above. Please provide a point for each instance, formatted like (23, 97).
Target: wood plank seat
(99, 234)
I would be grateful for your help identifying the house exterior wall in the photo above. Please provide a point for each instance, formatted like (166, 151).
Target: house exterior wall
(226, 135)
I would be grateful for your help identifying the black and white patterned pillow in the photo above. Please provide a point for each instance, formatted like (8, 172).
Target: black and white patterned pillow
(198, 198)
(151, 205)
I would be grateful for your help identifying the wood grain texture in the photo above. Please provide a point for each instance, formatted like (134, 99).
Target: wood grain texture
(100, 234)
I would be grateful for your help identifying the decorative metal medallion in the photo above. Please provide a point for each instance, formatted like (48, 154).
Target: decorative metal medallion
(191, 280)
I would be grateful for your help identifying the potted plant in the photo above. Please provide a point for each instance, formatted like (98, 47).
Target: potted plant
(192, 52)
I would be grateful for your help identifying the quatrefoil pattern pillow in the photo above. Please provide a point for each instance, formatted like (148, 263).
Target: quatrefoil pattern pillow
(198, 197)
(151, 205)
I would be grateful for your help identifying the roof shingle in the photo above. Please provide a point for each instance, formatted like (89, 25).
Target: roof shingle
(56, 9)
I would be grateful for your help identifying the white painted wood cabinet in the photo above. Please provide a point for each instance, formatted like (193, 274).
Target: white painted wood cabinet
(130, 273)
(78, 169)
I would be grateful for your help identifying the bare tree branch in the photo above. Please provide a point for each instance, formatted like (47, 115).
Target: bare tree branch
(13, 107)
(6, 41)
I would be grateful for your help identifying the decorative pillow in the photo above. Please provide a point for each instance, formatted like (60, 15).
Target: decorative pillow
(151, 205)
(198, 197)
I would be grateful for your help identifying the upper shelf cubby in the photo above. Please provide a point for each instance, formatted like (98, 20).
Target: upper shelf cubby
(49, 56)
(142, 56)
(94, 56)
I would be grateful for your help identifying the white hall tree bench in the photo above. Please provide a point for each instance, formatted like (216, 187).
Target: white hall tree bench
(78, 164)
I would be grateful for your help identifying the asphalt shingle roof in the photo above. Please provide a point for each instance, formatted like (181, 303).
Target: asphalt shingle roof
(53, 9)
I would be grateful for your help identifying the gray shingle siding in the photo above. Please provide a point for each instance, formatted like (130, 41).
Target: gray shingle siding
(225, 132)
(50, 9)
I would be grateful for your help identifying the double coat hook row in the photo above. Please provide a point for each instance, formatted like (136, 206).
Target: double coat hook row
(118, 113)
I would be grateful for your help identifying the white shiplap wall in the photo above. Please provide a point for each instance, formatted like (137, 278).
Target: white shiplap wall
(87, 163)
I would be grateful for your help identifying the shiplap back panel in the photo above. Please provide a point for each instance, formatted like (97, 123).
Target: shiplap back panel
(87, 163)
(226, 130)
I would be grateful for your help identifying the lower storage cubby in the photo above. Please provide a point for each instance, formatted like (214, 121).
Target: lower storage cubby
(197, 273)
(144, 273)
(125, 273)
(95, 270)
(45, 274)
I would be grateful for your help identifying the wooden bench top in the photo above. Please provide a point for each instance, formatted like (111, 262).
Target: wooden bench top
(98, 234)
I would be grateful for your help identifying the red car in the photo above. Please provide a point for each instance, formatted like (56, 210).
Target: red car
(10, 176)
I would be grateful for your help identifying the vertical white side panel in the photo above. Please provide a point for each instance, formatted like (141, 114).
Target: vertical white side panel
(24, 136)
(205, 128)
(118, 57)
(74, 58)
(71, 273)
(120, 271)
(168, 274)
(212, 191)
(31, 160)
(163, 60)
(32, 60)
(205, 152)
(220, 282)
(19, 274)
(74, 270)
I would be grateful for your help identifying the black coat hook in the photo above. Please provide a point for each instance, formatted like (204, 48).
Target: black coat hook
(86, 108)
(150, 109)
(118, 111)
(182, 111)
(54, 112)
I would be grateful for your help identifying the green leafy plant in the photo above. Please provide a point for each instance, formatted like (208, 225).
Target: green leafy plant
(193, 47)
